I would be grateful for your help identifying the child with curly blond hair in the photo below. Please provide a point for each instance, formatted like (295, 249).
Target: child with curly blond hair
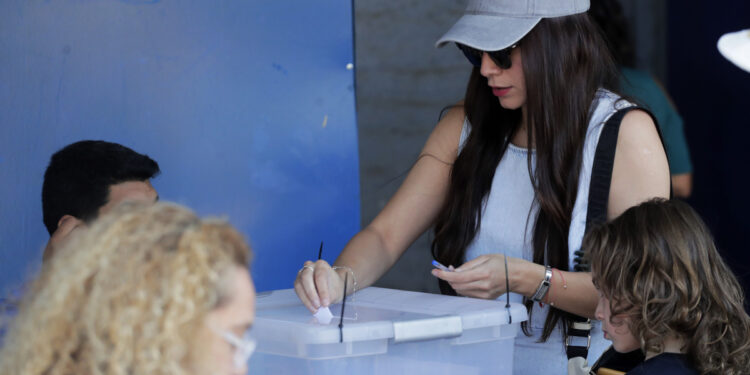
(664, 289)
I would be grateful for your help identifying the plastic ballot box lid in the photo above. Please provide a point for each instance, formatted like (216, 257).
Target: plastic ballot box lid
(388, 330)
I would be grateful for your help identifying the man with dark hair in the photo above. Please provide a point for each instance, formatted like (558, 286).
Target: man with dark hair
(88, 178)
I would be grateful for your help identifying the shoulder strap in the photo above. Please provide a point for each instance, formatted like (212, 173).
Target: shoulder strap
(601, 174)
(601, 171)
(601, 179)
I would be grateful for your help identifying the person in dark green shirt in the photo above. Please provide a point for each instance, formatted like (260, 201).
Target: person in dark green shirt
(651, 94)
(647, 91)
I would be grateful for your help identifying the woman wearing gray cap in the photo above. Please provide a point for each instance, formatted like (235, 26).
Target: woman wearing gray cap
(508, 171)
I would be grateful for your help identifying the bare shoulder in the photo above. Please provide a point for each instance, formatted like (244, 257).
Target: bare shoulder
(637, 126)
(640, 171)
(639, 145)
(443, 141)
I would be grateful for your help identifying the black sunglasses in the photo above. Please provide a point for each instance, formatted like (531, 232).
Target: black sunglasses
(501, 58)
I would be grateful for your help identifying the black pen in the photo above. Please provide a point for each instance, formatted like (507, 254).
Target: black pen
(343, 304)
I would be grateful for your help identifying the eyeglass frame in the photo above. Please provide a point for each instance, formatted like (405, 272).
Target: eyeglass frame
(244, 346)
(501, 58)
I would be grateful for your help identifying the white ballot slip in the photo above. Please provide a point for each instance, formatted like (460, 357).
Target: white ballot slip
(323, 315)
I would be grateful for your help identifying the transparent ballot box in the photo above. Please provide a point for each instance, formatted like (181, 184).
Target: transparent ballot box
(386, 331)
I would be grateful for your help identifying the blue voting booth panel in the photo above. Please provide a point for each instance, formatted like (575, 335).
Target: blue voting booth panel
(247, 106)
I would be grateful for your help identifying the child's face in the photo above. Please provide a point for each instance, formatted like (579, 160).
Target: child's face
(615, 330)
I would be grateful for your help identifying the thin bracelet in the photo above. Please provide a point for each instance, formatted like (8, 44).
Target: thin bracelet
(354, 278)
(565, 283)
(565, 286)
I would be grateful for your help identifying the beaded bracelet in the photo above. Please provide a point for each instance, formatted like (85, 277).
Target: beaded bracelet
(354, 278)
(565, 286)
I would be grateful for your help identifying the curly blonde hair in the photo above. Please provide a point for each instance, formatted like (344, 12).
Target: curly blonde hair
(658, 265)
(125, 296)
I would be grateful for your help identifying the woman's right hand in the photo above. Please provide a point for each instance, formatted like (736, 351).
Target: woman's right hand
(318, 285)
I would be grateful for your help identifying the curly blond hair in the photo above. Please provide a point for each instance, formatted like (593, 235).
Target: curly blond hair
(125, 296)
(658, 265)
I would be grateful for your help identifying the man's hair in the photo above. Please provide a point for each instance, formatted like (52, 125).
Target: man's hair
(78, 178)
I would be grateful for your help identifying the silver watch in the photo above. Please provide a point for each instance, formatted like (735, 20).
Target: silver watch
(541, 291)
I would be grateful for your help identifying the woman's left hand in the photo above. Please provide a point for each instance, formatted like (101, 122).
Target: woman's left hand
(482, 277)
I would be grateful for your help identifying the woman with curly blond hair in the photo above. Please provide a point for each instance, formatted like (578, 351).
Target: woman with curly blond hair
(145, 290)
(665, 289)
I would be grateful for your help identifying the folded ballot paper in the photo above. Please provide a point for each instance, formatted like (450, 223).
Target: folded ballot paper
(323, 315)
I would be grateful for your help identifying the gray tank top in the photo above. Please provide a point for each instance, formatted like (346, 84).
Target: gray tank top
(508, 217)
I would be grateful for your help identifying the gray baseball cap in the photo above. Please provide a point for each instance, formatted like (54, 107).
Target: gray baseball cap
(492, 25)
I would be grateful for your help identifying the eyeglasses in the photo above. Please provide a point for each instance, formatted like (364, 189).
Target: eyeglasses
(243, 347)
(501, 58)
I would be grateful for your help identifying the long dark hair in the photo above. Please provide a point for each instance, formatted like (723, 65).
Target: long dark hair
(609, 16)
(565, 61)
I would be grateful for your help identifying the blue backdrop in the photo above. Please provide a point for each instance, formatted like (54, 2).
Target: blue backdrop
(247, 106)
(712, 95)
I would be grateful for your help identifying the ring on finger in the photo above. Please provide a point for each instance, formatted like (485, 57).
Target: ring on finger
(306, 267)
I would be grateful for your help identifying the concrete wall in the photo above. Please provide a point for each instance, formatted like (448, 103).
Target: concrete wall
(402, 82)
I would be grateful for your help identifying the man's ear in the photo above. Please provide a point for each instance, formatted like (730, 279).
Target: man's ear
(65, 226)
(65, 219)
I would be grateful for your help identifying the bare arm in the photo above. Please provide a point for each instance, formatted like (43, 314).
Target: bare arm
(407, 215)
(640, 173)
(484, 277)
